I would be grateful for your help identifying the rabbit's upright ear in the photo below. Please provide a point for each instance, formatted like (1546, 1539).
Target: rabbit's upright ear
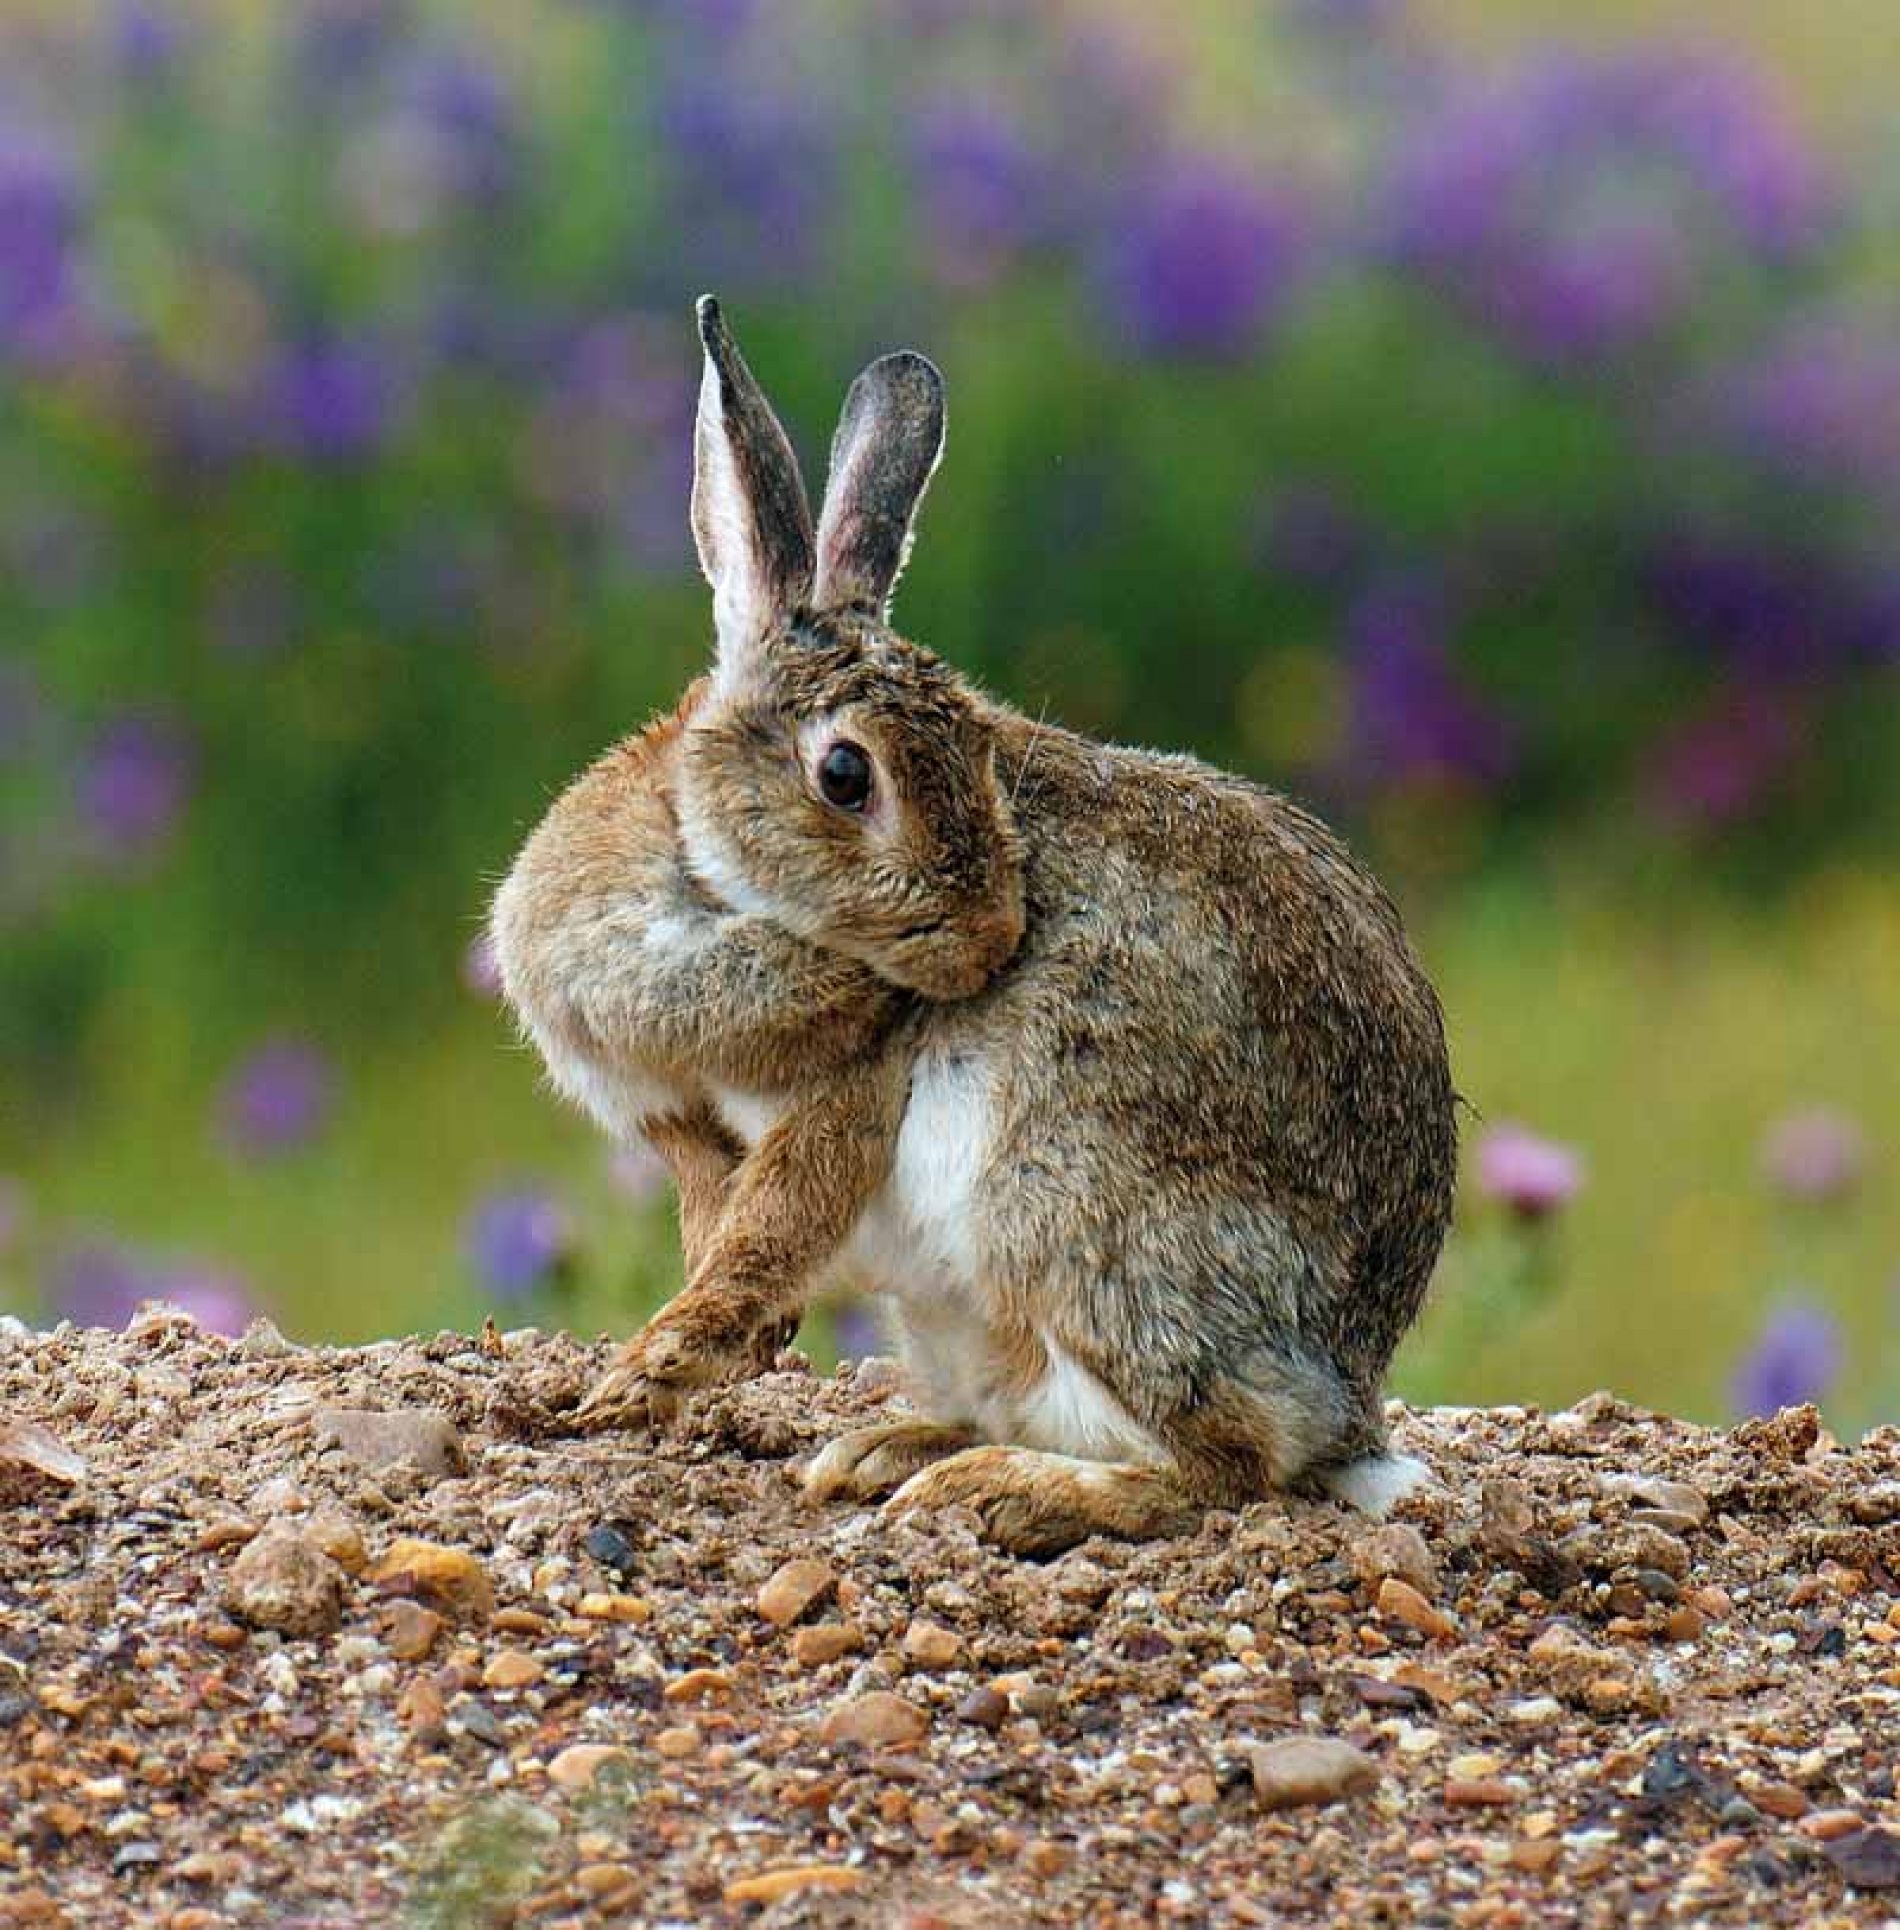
(750, 517)
(889, 441)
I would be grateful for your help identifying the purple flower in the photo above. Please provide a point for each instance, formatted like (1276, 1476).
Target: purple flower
(1413, 718)
(1794, 1360)
(146, 38)
(1574, 207)
(1715, 768)
(856, 1328)
(278, 1099)
(132, 784)
(638, 1173)
(1821, 403)
(981, 187)
(99, 1285)
(753, 170)
(1204, 260)
(520, 1240)
(329, 401)
(1815, 1154)
(217, 1300)
(1312, 537)
(1532, 1176)
(39, 226)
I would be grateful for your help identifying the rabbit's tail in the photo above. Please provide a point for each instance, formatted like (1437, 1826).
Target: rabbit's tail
(1375, 1484)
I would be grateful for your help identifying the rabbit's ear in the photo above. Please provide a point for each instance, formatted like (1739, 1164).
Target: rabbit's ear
(750, 517)
(889, 441)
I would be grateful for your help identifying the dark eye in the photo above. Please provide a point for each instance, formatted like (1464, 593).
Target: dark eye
(844, 776)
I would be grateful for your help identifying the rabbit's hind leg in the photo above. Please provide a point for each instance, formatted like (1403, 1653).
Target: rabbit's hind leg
(1032, 1502)
(871, 1461)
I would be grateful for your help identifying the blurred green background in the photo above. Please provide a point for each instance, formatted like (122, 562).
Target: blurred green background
(1482, 424)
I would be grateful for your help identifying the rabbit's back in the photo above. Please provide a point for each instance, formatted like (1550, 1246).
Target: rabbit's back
(1218, 1114)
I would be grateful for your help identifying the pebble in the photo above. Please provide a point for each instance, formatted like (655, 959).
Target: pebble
(878, 1720)
(794, 1591)
(614, 1608)
(511, 1669)
(1044, 1857)
(825, 1642)
(451, 1578)
(609, 1885)
(1396, 1551)
(280, 1581)
(674, 1744)
(1300, 1771)
(579, 1763)
(424, 1437)
(986, 1708)
(421, 1706)
(1479, 1792)
(698, 1685)
(410, 1630)
(612, 1549)
(1825, 1825)
(770, 1885)
(1399, 1601)
(932, 1646)
(339, 1538)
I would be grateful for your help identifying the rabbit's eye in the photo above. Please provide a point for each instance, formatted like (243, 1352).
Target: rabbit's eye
(844, 776)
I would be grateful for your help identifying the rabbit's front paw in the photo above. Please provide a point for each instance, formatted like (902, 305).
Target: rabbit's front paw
(680, 1351)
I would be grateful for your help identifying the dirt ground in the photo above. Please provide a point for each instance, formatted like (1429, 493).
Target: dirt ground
(433, 1660)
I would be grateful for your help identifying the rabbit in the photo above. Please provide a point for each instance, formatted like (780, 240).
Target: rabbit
(678, 1013)
(1161, 1186)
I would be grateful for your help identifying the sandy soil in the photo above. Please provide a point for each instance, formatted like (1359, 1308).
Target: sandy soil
(262, 1662)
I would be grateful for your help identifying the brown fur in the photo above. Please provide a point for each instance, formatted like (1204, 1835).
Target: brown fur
(1117, 1071)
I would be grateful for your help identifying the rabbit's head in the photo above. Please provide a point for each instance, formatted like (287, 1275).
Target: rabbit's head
(838, 778)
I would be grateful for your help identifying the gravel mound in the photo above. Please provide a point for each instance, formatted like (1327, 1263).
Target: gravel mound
(348, 1637)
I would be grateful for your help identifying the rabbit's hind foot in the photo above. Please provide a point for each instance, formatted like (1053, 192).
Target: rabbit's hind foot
(870, 1461)
(1030, 1502)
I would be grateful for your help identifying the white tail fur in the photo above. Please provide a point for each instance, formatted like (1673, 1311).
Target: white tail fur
(1377, 1483)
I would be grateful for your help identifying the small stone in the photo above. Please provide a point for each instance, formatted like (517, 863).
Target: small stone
(579, 1763)
(612, 1549)
(421, 1707)
(794, 1591)
(1044, 1857)
(607, 1885)
(1685, 1624)
(770, 1885)
(932, 1646)
(1662, 1497)
(228, 1531)
(1395, 1551)
(825, 1642)
(614, 1608)
(511, 1669)
(877, 1720)
(986, 1708)
(675, 1744)
(410, 1630)
(278, 1496)
(1827, 1825)
(1781, 1800)
(451, 1578)
(1538, 1853)
(1868, 1859)
(519, 1621)
(698, 1685)
(422, 1436)
(1478, 1792)
(280, 1581)
(1299, 1771)
(339, 1538)
(1399, 1601)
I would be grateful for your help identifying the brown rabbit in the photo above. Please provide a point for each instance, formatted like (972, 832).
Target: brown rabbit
(677, 1016)
(1165, 1168)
